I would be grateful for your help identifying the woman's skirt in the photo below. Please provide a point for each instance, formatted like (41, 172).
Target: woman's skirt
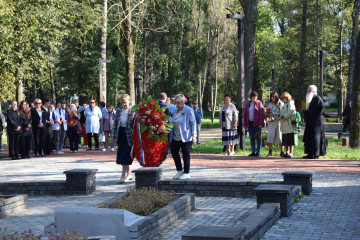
(288, 139)
(124, 150)
(274, 133)
(229, 137)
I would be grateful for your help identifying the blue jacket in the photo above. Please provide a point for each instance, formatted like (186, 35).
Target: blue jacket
(168, 110)
(188, 124)
(198, 115)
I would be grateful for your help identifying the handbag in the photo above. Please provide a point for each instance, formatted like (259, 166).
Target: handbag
(78, 128)
(293, 118)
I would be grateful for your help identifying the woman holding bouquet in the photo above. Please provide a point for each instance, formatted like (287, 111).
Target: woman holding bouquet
(122, 133)
(183, 136)
(254, 121)
(274, 132)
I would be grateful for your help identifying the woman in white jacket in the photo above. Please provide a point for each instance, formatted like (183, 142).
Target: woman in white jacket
(93, 115)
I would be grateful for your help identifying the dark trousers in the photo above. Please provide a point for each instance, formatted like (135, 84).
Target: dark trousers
(74, 138)
(14, 141)
(25, 146)
(185, 149)
(39, 137)
(96, 138)
(346, 125)
(48, 142)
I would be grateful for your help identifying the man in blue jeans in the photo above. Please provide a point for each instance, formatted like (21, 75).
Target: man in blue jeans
(198, 116)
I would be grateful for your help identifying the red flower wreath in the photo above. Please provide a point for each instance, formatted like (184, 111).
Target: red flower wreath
(151, 128)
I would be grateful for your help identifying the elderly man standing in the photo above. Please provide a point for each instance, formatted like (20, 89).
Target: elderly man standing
(314, 135)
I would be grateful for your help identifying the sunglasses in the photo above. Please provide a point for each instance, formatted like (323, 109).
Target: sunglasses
(38, 103)
(92, 102)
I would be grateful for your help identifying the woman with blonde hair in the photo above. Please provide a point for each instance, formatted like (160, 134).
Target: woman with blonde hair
(183, 136)
(274, 131)
(287, 128)
(122, 132)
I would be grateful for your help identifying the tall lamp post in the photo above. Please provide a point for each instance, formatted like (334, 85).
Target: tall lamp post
(102, 93)
(137, 88)
(273, 78)
(241, 82)
(321, 78)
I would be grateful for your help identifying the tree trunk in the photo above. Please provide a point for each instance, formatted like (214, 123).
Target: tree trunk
(355, 99)
(216, 73)
(298, 95)
(144, 63)
(353, 48)
(103, 50)
(52, 79)
(249, 43)
(129, 50)
(19, 87)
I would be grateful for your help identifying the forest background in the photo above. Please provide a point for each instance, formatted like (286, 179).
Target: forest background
(51, 48)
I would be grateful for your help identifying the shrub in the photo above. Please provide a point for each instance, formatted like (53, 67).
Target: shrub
(143, 201)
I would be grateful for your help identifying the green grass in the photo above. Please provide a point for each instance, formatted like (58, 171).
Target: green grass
(207, 120)
(334, 150)
(331, 109)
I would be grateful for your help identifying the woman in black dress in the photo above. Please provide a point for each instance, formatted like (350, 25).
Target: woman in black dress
(26, 130)
(122, 133)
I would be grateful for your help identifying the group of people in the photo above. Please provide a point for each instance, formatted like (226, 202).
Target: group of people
(45, 122)
(43, 127)
(282, 120)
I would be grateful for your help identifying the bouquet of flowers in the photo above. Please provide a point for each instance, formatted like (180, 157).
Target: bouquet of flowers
(269, 118)
(257, 134)
(150, 135)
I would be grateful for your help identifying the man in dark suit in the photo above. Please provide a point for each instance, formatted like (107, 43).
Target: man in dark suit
(162, 103)
(49, 123)
(14, 123)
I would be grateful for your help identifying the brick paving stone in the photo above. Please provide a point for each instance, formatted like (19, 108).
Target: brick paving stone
(332, 211)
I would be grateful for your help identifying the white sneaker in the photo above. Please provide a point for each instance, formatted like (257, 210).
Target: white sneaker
(75, 151)
(71, 151)
(59, 152)
(128, 178)
(231, 153)
(85, 146)
(178, 175)
(112, 149)
(185, 176)
(226, 153)
(104, 149)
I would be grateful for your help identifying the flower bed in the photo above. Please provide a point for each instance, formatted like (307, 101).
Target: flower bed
(143, 201)
(12, 204)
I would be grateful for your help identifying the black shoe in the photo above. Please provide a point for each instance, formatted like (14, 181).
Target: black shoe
(36, 155)
(88, 148)
(28, 156)
(252, 155)
(96, 149)
(17, 157)
(257, 154)
(288, 156)
(282, 154)
(308, 157)
(43, 155)
(13, 158)
(269, 155)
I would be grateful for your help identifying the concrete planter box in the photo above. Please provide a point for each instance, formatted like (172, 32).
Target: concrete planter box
(120, 223)
(12, 204)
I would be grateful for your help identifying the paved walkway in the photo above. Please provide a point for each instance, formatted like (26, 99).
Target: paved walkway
(332, 211)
